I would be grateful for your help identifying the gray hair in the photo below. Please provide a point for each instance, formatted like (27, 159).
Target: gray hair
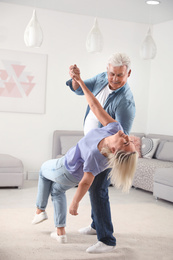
(119, 59)
(123, 166)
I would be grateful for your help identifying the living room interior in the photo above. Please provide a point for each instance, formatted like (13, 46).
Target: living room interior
(146, 228)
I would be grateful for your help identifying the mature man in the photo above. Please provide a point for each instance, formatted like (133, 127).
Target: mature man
(114, 94)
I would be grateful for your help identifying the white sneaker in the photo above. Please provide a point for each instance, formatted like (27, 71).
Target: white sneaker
(100, 247)
(38, 218)
(87, 231)
(61, 239)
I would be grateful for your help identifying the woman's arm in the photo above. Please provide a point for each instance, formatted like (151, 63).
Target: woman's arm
(90, 83)
(94, 104)
(83, 187)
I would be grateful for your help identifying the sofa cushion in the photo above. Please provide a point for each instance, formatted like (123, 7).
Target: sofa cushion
(68, 141)
(149, 146)
(165, 151)
(159, 148)
(164, 176)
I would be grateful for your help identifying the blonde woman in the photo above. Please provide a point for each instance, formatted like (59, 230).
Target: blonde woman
(101, 148)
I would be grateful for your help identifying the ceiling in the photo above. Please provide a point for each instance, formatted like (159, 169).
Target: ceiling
(126, 10)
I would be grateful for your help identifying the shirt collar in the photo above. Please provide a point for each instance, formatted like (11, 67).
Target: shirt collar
(123, 87)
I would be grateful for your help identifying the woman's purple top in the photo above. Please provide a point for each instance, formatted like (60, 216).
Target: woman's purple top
(85, 156)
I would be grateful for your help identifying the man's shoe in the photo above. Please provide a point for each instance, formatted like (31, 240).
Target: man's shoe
(100, 247)
(61, 239)
(88, 231)
(38, 218)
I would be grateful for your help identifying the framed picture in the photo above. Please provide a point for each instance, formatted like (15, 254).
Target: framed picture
(22, 82)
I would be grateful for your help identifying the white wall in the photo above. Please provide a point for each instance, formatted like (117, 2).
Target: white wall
(29, 136)
(161, 85)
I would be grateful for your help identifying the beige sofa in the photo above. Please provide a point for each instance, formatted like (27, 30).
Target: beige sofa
(146, 168)
(162, 158)
(63, 140)
(11, 171)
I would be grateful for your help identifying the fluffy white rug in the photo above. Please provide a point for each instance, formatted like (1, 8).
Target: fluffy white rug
(143, 231)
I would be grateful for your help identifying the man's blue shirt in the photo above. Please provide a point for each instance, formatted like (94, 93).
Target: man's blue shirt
(119, 105)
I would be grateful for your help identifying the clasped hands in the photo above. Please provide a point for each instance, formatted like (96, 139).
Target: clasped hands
(74, 72)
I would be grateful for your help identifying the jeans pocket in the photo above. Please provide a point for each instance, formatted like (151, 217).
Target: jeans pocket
(66, 181)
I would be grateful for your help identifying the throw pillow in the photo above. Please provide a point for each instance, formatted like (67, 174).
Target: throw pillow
(159, 149)
(149, 146)
(137, 142)
(166, 153)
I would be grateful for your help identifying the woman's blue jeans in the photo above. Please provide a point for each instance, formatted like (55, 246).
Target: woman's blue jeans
(101, 214)
(54, 179)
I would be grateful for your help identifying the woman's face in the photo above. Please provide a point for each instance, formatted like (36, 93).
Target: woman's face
(122, 142)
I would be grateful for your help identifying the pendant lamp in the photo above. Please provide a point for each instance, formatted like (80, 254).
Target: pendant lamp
(94, 42)
(33, 35)
(148, 48)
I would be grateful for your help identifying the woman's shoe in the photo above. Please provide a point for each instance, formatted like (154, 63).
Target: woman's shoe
(61, 239)
(38, 218)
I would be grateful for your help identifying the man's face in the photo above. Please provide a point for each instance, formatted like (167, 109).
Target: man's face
(117, 76)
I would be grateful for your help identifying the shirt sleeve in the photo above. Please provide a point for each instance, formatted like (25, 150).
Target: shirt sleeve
(125, 114)
(113, 127)
(93, 165)
(90, 83)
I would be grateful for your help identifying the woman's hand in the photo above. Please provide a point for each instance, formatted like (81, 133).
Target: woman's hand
(74, 72)
(82, 188)
(73, 208)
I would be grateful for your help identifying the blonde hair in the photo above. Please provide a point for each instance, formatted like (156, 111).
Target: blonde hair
(123, 166)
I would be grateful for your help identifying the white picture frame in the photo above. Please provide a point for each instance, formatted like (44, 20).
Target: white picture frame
(22, 81)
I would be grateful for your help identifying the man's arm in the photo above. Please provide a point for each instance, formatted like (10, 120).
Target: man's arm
(90, 83)
(125, 114)
(83, 187)
(93, 84)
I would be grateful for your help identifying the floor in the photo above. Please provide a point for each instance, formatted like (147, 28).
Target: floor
(143, 227)
(25, 197)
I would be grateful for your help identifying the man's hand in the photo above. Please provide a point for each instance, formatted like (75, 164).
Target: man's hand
(74, 72)
(73, 208)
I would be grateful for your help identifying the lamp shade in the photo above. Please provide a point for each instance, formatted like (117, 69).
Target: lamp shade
(33, 35)
(148, 48)
(94, 42)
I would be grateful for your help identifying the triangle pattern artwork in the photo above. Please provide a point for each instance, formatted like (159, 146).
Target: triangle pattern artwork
(15, 81)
